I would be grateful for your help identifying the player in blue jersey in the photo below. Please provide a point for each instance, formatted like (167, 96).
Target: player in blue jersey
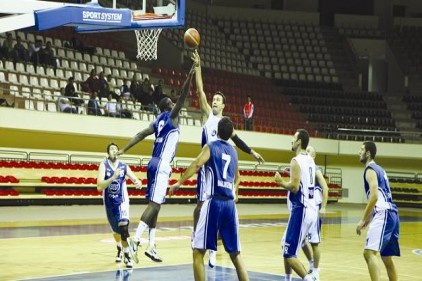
(313, 253)
(111, 180)
(381, 215)
(166, 131)
(211, 115)
(218, 213)
(303, 211)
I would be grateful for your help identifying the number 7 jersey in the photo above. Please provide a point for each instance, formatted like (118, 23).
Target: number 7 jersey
(222, 168)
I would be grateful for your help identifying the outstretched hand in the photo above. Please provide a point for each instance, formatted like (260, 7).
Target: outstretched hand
(196, 59)
(257, 156)
(120, 152)
(173, 188)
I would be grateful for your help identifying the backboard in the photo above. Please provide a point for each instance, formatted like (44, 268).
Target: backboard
(91, 17)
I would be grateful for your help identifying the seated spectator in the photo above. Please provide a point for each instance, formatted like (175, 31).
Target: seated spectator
(70, 92)
(92, 83)
(111, 107)
(158, 92)
(123, 109)
(20, 53)
(125, 91)
(135, 88)
(65, 105)
(34, 52)
(7, 47)
(6, 103)
(80, 46)
(94, 107)
(104, 86)
(47, 56)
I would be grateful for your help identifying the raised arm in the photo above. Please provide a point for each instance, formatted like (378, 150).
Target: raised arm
(137, 138)
(183, 94)
(193, 167)
(245, 148)
(203, 103)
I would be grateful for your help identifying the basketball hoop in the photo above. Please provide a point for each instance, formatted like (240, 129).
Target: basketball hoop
(147, 40)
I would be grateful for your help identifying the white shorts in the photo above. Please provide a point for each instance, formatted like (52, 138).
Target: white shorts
(158, 174)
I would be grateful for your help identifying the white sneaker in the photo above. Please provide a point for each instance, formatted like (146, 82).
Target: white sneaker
(212, 258)
(151, 252)
(133, 249)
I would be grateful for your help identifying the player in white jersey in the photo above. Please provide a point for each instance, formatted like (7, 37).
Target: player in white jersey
(211, 115)
(380, 214)
(111, 180)
(166, 131)
(314, 236)
(218, 213)
(303, 212)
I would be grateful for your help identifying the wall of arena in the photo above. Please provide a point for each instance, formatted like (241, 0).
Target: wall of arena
(25, 129)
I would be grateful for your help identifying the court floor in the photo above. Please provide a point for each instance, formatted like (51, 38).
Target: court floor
(74, 243)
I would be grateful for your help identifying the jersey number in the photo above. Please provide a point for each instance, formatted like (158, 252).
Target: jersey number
(227, 158)
(160, 126)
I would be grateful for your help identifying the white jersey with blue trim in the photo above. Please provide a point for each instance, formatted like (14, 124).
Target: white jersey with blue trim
(385, 201)
(209, 130)
(222, 168)
(116, 192)
(304, 197)
(166, 137)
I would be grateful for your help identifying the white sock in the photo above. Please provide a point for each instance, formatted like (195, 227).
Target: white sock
(152, 237)
(311, 265)
(140, 230)
(288, 277)
(315, 272)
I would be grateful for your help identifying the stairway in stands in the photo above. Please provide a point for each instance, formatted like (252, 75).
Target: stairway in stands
(341, 54)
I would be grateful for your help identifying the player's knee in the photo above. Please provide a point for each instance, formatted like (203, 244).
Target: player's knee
(124, 230)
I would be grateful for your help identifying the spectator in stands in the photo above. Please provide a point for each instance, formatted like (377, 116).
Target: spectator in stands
(248, 110)
(123, 109)
(92, 83)
(48, 57)
(110, 107)
(111, 173)
(380, 216)
(64, 104)
(5, 102)
(165, 127)
(80, 46)
(135, 88)
(158, 91)
(314, 237)
(7, 47)
(34, 52)
(125, 91)
(94, 107)
(173, 95)
(20, 53)
(104, 90)
(70, 92)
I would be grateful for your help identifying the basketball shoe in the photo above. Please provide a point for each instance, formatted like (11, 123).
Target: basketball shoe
(133, 249)
(119, 254)
(212, 258)
(151, 252)
(128, 260)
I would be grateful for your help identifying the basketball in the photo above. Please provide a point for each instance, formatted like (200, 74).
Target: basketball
(192, 38)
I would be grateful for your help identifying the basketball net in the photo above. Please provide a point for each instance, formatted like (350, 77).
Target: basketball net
(147, 40)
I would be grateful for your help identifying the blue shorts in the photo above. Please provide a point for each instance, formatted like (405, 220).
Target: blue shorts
(218, 216)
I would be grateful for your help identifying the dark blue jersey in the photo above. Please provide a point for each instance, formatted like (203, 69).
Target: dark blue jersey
(116, 192)
(166, 137)
(222, 166)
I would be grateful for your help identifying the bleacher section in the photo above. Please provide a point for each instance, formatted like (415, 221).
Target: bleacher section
(46, 178)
